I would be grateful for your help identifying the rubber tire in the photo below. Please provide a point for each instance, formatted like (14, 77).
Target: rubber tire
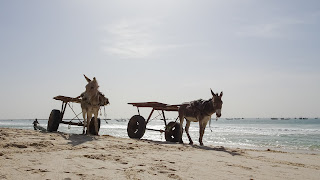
(92, 129)
(54, 120)
(136, 127)
(173, 132)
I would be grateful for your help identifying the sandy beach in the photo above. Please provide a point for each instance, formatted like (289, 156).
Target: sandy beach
(29, 154)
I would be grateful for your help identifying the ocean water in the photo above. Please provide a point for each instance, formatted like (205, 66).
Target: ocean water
(290, 135)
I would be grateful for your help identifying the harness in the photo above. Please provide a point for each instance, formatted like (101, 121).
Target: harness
(198, 107)
(101, 100)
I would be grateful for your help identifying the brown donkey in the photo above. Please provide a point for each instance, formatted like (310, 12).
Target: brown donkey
(199, 111)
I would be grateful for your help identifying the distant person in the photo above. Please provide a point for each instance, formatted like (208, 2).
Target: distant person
(35, 124)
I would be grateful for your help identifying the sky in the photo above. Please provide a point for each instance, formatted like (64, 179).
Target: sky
(263, 55)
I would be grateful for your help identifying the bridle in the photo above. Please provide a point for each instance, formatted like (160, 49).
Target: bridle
(217, 104)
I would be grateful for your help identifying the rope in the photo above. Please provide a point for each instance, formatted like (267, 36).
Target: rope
(210, 125)
(159, 114)
(74, 114)
(105, 114)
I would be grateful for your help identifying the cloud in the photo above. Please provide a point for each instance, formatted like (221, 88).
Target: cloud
(276, 29)
(135, 38)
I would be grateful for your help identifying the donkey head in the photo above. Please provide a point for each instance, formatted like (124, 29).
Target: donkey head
(92, 86)
(217, 102)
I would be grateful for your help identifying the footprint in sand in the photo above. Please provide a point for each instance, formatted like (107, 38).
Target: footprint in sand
(15, 145)
(174, 176)
(170, 169)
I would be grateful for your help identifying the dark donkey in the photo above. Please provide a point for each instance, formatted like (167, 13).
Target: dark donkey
(199, 111)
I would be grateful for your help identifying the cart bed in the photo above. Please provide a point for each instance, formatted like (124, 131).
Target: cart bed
(67, 99)
(157, 106)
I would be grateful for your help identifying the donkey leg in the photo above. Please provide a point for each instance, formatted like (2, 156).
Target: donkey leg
(89, 116)
(96, 121)
(187, 131)
(181, 127)
(201, 131)
(84, 121)
(202, 128)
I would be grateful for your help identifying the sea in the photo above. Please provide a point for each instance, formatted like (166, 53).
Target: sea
(252, 133)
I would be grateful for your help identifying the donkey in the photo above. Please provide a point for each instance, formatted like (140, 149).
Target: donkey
(199, 111)
(91, 100)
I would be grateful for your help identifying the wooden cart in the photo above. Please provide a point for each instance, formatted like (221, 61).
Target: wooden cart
(137, 124)
(56, 116)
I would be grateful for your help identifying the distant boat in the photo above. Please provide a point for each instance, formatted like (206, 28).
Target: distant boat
(274, 118)
(229, 118)
(285, 118)
(121, 120)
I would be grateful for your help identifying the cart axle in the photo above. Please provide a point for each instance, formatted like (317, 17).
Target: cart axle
(159, 130)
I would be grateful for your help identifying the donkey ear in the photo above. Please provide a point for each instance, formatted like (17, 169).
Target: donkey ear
(212, 92)
(87, 78)
(221, 93)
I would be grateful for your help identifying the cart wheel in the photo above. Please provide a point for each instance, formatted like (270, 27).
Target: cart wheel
(92, 129)
(54, 120)
(172, 132)
(136, 127)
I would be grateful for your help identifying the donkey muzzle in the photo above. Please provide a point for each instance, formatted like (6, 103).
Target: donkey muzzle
(218, 113)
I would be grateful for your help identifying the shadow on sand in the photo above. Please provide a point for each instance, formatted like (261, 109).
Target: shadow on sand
(209, 148)
(77, 139)
(219, 148)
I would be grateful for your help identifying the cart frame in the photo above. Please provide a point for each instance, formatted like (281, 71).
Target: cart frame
(65, 101)
(56, 116)
(172, 131)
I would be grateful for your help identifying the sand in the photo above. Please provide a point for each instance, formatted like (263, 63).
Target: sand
(29, 154)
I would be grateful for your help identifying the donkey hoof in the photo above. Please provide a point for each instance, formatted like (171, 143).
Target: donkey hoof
(201, 144)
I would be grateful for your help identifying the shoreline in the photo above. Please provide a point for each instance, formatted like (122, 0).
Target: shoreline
(29, 154)
(280, 149)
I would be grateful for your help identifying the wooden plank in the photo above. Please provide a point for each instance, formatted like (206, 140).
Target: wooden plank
(156, 106)
(148, 104)
(67, 99)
